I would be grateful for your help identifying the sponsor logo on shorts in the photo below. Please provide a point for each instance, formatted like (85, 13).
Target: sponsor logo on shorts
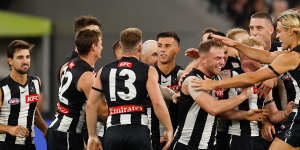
(14, 101)
(32, 98)
(125, 64)
(125, 109)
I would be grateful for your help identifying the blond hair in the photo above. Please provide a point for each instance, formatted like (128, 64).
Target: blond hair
(232, 32)
(130, 39)
(252, 41)
(290, 19)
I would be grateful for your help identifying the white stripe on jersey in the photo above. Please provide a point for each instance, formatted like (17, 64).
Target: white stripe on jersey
(108, 122)
(37, 89)
(68, 143)
(112, 85)
(297, 89)
(81, 119)
(189, 124)
(22, 120)
(165, 81)
(54, 121)
(144, 120)
(235, 128)
(32, 126)
(210, 120)
(5, 109)
(65, 124)
(100, 129)
(125, 119)
(149, 119)
(37, 86)
(292, 125)
(252, 100)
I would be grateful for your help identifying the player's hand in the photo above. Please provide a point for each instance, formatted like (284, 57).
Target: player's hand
(225, 40)
(246, 92)
(206, 84)
(192, 53)
(267, 130)
(168, 138)
(175, 97)
(266, 87)
(94, 144)
(183, 75)
(257, 114)
(288, 109)
(45, 132)
(225, 74)
(18, 131)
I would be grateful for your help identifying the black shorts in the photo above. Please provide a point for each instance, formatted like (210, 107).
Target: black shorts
(222, 140)
(290, 130)
(5, 146)
(180, 146)
(57, 140)
(248, 143)
(156, 145)
(127, 137)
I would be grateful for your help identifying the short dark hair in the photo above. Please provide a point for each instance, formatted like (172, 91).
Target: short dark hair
(168, 34)
(219, 33)
(84, 21)
(130, 38)
(85, 39)
(263, 15)
(17, 45)
(209, 30)
(205, 46)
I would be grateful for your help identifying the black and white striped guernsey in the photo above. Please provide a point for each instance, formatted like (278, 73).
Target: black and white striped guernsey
(294, 76)
(124, 86)
(70, 116)
(196, 128)
(289, 130)
(245, 127)
(18, 107)
(171, 81)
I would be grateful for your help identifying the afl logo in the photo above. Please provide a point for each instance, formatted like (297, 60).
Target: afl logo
(14, 101)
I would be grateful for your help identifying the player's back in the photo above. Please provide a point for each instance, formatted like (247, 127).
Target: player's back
(71, 105)
(124, 85)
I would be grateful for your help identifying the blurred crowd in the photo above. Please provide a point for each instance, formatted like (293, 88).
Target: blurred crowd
(239, 11)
